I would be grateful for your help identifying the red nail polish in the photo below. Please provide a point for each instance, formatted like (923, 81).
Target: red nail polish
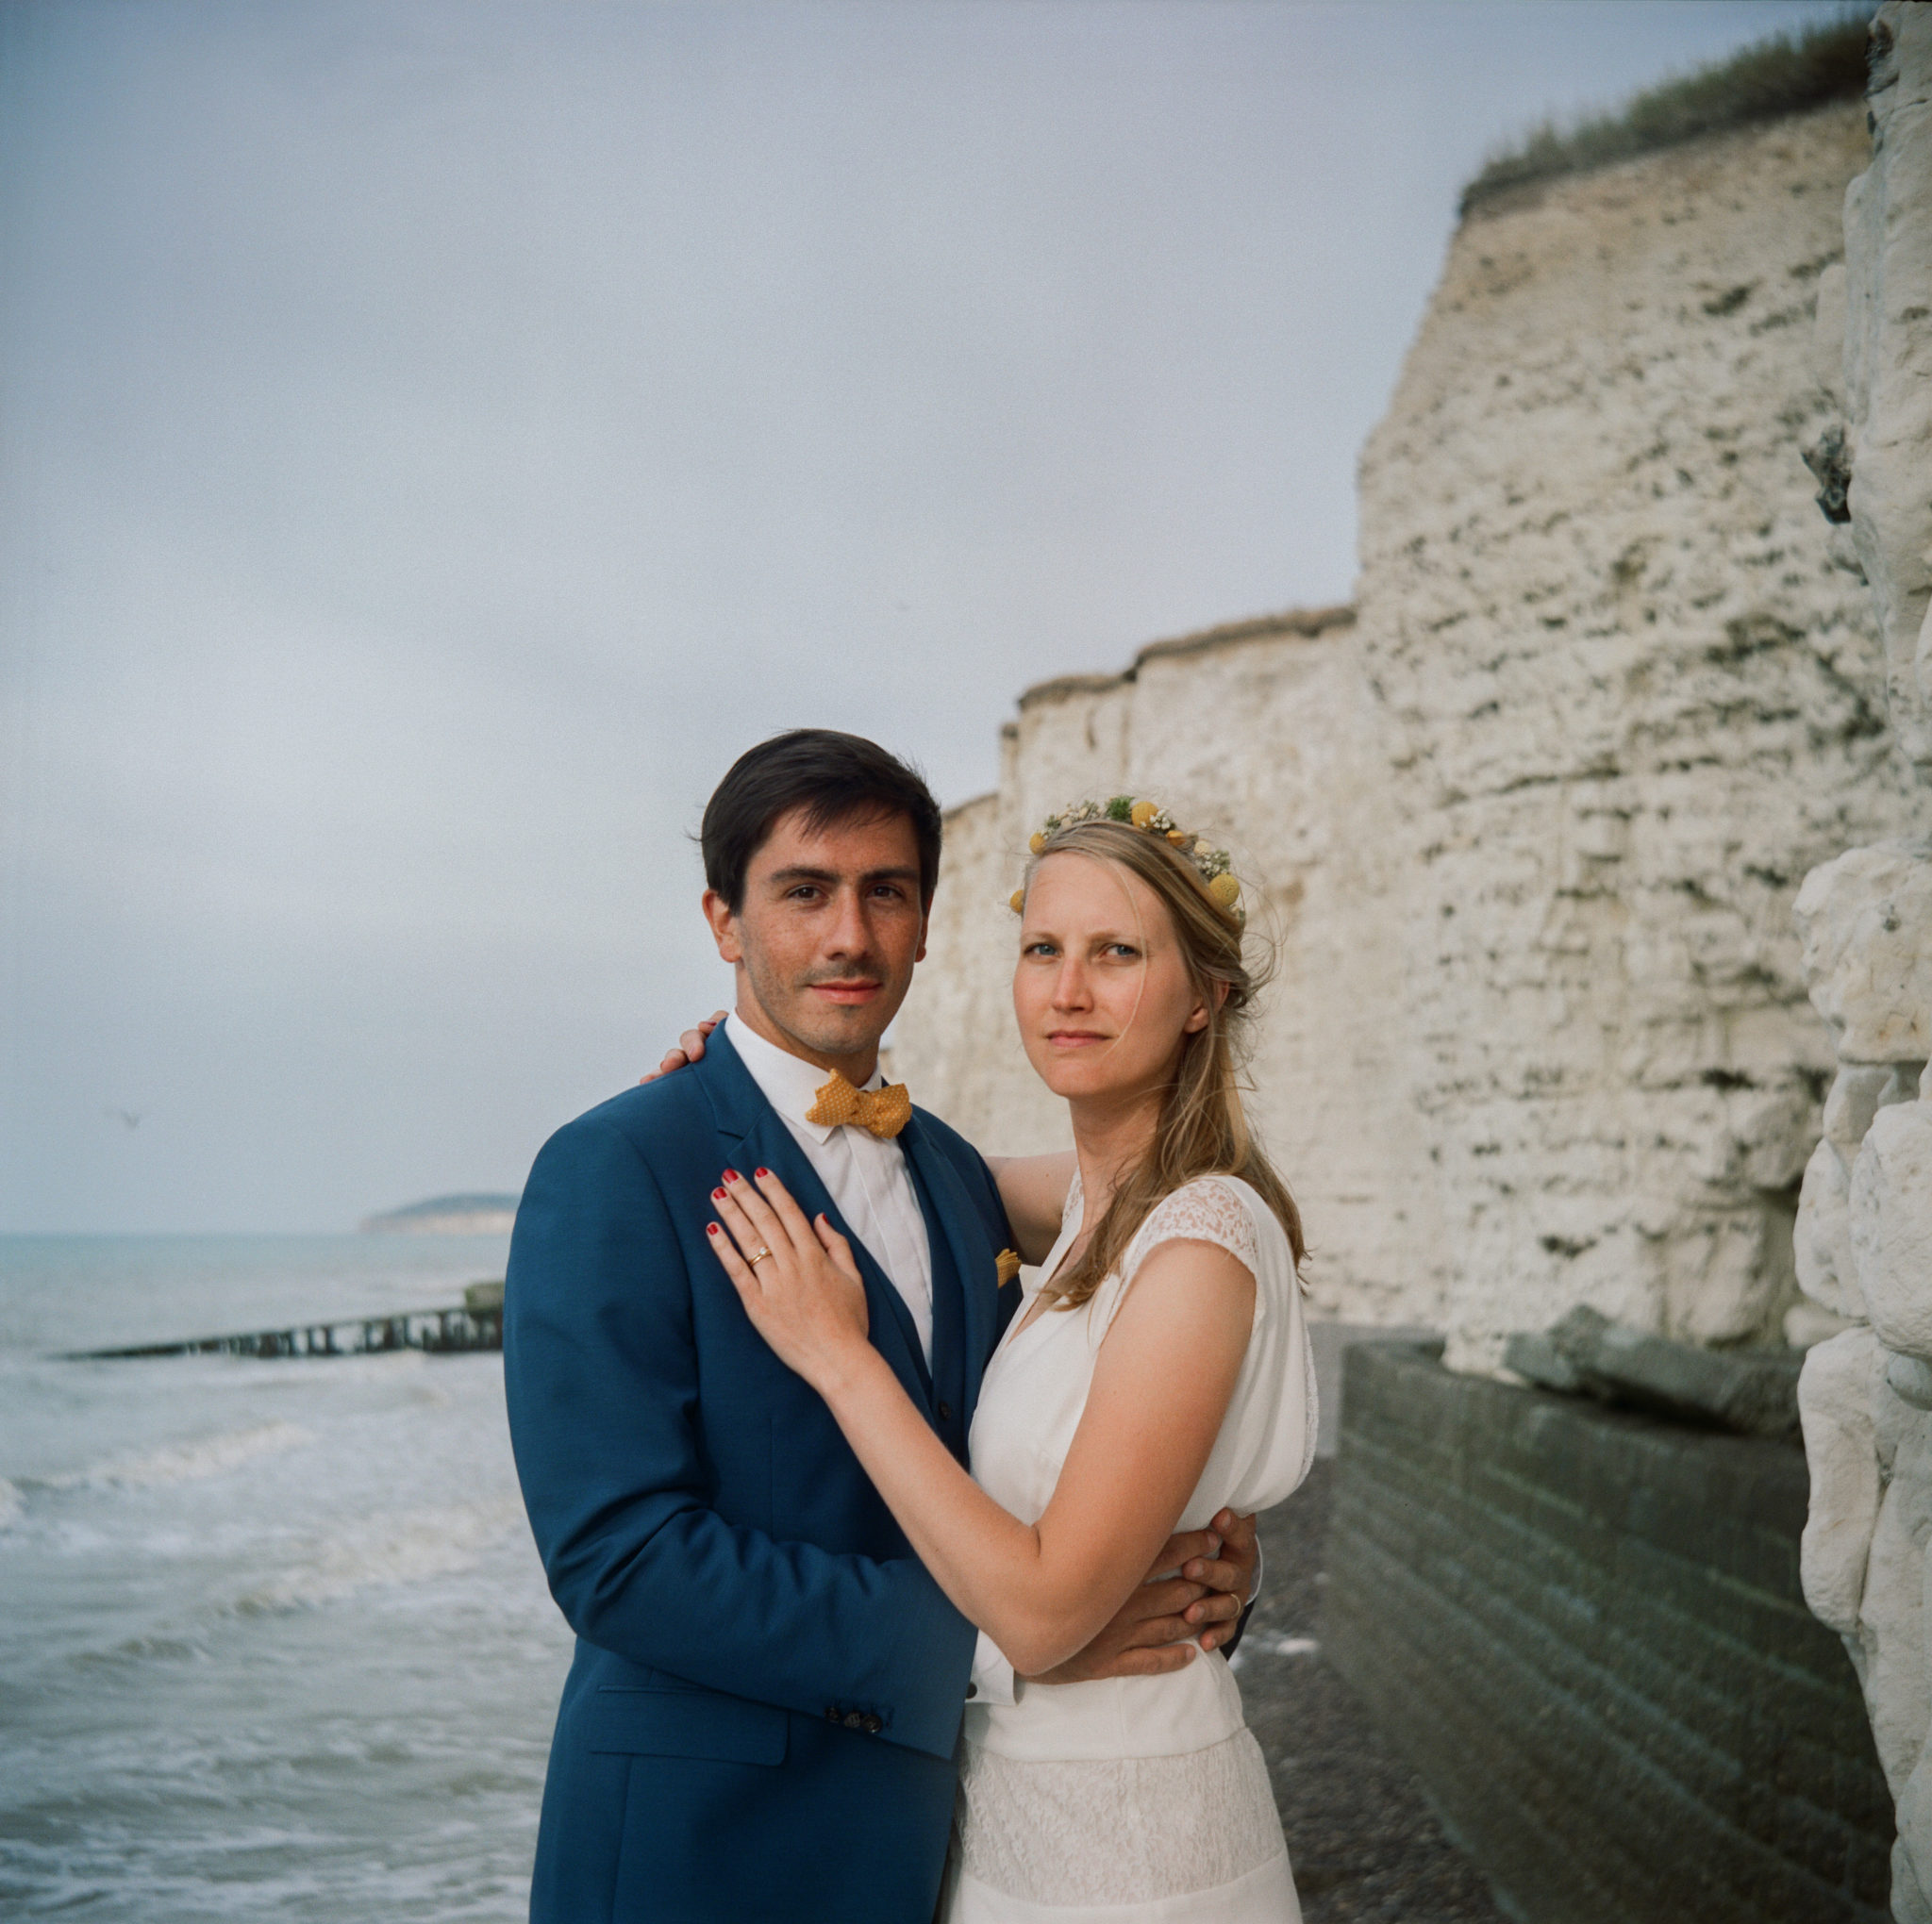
(717, 1195)
(732, 1176)
(761, 1172)
(711, 1229)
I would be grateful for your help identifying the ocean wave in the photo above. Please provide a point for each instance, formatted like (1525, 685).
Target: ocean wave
(11, 1504)
(155, 1645)
(173, 1463)
(408, 1548)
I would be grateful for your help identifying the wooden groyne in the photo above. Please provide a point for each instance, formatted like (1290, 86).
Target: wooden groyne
(476, 1325)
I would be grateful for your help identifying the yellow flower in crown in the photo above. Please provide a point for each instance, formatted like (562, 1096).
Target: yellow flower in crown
(1209, 863)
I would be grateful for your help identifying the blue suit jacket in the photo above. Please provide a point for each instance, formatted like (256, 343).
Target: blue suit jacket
(760, 1719)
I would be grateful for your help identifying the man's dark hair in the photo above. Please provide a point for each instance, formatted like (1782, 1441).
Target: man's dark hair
(834, 779)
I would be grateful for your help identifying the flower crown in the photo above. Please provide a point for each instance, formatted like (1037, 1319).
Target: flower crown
(1210, 864)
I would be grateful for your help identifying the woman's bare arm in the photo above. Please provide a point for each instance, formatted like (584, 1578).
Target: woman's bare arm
(1034, 1190)
(1161, 1388)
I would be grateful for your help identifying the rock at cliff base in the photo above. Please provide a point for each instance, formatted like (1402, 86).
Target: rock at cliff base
(1866, 920)
(1891, 1215)
(1835, 1395)
(1754, 1393)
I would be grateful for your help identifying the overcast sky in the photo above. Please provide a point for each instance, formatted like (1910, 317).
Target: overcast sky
(436, 439)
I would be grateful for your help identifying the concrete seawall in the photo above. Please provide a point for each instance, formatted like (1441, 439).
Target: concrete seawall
(1584, 1629)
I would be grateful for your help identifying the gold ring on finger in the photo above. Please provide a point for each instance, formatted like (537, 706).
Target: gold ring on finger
(758, 1255)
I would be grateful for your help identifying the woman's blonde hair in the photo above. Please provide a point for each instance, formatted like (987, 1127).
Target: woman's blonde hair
(1203, 1129)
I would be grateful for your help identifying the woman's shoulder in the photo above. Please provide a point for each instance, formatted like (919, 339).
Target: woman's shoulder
(1219, 1209)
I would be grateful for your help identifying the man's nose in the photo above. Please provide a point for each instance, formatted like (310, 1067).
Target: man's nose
(847, 935)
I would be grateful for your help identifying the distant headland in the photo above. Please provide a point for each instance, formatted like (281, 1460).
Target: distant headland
(483, 1215)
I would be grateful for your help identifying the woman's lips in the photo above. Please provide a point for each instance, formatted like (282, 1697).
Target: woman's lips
(1072, 1039)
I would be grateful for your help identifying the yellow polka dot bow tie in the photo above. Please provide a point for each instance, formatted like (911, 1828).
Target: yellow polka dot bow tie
(881, 1112)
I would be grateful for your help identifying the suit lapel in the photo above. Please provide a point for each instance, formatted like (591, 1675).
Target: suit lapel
(971, 1259)
(758, 1138)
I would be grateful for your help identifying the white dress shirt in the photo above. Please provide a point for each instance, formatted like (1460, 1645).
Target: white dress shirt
(866, 1177)
(872, 1188)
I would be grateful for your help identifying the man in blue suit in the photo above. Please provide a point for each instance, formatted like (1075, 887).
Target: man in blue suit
(760, 1719)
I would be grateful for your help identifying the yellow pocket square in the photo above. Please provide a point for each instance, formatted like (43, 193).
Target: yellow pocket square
(1008, 1264)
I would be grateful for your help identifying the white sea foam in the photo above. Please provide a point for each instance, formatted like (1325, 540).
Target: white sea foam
(409, 1547)
(11, 1504)
(173, 1463)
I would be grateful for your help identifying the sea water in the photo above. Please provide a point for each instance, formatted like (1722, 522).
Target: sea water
(274, 1639)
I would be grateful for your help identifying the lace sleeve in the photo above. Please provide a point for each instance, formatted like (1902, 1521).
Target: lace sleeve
(1205, 1210)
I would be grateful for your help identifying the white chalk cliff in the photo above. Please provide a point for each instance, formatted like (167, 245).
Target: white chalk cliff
(1529, 821)
(1864, 1234)
(1612, 784)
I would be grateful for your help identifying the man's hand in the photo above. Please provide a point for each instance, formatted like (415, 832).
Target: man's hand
(1154, 1628)
(690, 1048)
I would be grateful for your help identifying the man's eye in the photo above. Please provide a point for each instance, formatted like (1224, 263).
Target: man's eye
(804, 892)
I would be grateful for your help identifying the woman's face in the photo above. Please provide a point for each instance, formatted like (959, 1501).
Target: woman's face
(1100, 991)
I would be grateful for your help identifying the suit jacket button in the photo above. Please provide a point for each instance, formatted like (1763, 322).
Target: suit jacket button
(945, 1413)
(854, 1722)
(874, 1725)
(973, 1690)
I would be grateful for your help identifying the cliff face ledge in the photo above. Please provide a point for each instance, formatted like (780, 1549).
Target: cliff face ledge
(1529, 829)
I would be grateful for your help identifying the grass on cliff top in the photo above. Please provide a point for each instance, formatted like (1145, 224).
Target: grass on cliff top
(1784, 75)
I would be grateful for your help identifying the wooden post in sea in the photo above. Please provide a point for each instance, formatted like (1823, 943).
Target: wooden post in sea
(476, 1325)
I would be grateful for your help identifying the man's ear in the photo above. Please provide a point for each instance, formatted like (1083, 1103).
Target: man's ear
(724, 924)
(925, 929)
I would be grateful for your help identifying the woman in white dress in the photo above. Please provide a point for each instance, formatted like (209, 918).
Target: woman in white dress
(1159, 1373)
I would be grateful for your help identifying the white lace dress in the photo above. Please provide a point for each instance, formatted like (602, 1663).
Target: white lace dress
(1136, 1800)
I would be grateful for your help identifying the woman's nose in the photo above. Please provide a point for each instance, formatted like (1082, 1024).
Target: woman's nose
(1070, 986)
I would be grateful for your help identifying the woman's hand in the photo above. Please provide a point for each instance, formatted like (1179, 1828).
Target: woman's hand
(690, 1048)
(797, 1279)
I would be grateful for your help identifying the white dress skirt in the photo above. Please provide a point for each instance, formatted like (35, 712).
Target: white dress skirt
(1136, 1799)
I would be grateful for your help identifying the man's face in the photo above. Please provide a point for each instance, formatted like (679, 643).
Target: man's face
(824, 942)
